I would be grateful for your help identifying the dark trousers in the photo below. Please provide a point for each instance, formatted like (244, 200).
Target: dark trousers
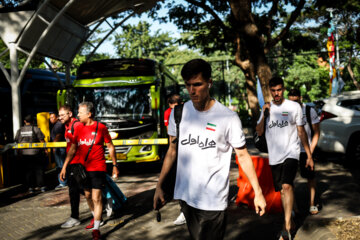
(34, 170)
(204, 225)
(74, 192)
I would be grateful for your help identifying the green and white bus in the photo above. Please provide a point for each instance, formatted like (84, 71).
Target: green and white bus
(129, 96)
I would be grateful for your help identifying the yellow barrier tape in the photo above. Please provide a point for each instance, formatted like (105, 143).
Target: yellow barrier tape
(119, 142)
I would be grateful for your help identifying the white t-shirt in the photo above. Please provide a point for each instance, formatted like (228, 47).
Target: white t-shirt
(281, 132)
(205, 147)
(314, 119)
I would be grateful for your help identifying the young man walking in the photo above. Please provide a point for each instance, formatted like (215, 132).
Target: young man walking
(207, 135)
(313, 133)
(284, 128)
(90, 143)
(72, 125)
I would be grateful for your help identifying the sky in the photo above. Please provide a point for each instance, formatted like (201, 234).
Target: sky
(107, 46)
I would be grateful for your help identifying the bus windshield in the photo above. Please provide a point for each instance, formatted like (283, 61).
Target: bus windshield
(124, 103)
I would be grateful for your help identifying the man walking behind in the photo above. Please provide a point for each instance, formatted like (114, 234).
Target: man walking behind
(57, 135)
(72, 126)
(208, 133)
(90, 143)
(32, 158)
(313, 133)
(284, 127)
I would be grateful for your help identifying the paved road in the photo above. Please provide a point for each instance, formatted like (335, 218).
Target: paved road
(39, 216)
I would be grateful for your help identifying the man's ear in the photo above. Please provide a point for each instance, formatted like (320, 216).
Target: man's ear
(210, 82)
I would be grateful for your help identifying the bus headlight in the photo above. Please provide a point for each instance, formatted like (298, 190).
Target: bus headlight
(113, 135)
(146, 148)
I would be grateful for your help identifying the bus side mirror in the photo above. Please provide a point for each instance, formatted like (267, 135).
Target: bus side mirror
(155, 97)
(61, 97)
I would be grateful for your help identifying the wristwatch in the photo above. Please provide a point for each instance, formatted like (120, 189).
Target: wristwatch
(116, 165)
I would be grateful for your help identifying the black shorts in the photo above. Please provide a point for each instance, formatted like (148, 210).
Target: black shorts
(305, 172)
(96, 180)
(204, 224)
(284, 173)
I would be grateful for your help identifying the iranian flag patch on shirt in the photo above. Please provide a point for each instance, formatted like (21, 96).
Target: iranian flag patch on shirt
(211, 127)
(285, 114)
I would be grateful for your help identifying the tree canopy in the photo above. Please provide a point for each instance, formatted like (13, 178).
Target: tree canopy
(252, 31)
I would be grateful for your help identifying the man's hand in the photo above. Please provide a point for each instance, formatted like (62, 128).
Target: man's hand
(310, 163)
(260, 204)
(115, 172)
(63, 174)
(159, 200)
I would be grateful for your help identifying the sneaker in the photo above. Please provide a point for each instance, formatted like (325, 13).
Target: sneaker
(31, 190)
(109, 207)
(91, 225)
(285, 235)
(96, 234)
(60, 186)
(180, 219)
(43, 189)
(71, 222)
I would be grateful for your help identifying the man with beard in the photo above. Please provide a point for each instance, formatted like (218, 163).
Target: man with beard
(284, 130)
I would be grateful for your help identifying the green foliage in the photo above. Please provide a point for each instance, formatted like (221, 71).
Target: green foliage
(355, 65)
(136, 41)
(306, 75)
(36, 62)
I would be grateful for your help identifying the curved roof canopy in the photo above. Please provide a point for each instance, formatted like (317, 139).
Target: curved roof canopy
(25, 24)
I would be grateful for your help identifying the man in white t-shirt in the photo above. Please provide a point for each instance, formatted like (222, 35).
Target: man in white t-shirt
(207, 135)
(284, 128)
(313, 133)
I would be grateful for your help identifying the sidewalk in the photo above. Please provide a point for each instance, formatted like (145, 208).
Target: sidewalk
(39, 216)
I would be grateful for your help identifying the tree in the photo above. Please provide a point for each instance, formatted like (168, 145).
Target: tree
(250, 30)
(235, 26)
(347, 15)
(136, 41)
(306, 75)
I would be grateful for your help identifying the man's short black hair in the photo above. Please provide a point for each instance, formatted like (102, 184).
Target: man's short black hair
(28, 118)
(174, 98)
(193, 67)
(276, 81)
(294, 92)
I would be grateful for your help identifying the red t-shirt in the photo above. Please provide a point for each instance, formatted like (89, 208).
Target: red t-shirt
(69, 137)
(84, 138)
(167, 116)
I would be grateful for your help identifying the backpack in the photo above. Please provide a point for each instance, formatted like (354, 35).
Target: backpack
(72, 126)
(260, 141)
(169, 182)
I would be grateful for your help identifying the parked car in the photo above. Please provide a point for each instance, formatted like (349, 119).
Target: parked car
(340, 125)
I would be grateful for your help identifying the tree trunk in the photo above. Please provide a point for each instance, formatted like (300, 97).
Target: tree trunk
(356, 83)
(250, 56)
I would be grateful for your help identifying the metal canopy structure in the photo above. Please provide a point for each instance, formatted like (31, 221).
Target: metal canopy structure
(56, 29)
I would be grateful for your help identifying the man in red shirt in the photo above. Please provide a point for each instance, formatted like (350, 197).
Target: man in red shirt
(93, 134)
(173, 100)
(72, 125)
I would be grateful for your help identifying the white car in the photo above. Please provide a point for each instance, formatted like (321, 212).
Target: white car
(340, 125)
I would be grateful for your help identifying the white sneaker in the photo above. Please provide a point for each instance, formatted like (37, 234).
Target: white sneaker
(71, 222)
(109, 207)
(180, 219)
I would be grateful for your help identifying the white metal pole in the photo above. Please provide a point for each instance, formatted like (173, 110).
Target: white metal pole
(15, 88)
